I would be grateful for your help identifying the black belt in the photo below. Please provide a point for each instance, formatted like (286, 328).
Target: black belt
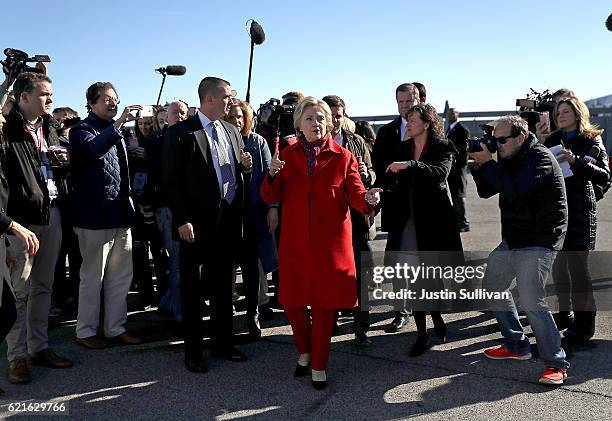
(53, 203)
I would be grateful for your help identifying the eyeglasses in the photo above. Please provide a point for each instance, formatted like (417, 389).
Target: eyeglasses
(502, 140)
(109, 100)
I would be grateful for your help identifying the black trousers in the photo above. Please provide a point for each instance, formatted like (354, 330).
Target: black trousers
(248, 262)
(363, 261)
(207, 267)
(572, 279)
(67, 287)
(8, 313)
(146, 237)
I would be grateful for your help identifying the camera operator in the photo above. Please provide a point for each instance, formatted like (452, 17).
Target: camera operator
(36, 187)
(533, 207)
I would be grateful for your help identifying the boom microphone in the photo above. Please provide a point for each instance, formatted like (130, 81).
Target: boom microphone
(592, 155)
(172, 70)
(258, 35)
(609, 23)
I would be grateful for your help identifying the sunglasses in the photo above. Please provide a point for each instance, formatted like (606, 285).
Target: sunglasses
(502, 140)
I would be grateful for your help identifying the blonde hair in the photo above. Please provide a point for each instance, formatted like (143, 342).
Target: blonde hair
(348, 124)
(583, 116)
(308, 102)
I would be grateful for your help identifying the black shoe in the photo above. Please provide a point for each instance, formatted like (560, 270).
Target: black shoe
(230, 354)
(362, 340)
(319, 384)
(254, 328)
(301, 370)
(265, 312)
(564, 319)
(440, 331)
(196, 366)
(419, 346)
(397, 323)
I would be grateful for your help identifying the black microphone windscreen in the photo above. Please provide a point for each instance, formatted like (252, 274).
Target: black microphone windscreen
(593, 152)
(176, 70)
(609, 23)
(257, 33)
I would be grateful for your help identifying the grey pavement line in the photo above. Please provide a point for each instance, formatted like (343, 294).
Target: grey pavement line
(448, 369)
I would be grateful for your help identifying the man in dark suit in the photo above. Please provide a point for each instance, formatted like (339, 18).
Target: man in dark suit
(388, 140)
(457, 179)
(204, 174)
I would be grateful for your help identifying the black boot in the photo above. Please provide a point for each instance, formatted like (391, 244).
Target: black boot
(583, 327)
(563, 319)
(420, 345)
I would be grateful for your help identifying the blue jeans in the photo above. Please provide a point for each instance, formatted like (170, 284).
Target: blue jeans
(172, 299)
(531, 267)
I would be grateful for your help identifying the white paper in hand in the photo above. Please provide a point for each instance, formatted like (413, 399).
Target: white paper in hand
(565, 166)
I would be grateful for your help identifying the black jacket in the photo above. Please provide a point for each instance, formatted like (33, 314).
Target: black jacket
(457, 181)
(532, 196)
(190, 180)
(426, 185)
(357, 146)
(29, 200)
(384, 153)
(580, 188)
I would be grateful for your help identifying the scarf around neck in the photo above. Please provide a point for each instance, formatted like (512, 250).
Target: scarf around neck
(311, 151)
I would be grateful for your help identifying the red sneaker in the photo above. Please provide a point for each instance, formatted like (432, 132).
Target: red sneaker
(502, 353)
(554, 376)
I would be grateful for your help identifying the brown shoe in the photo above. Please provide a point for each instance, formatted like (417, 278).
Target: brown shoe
(18, 371)
(92, 342)
(126, 339)
(48, 358)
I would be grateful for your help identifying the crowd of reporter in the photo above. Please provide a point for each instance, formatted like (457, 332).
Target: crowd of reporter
(203, 194)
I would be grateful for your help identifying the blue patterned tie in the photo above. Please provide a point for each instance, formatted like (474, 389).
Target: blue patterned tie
(227, 175)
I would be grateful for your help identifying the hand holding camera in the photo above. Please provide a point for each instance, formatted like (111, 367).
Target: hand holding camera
(126, 115)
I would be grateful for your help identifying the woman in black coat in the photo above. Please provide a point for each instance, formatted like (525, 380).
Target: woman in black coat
(8, 313)
(424, 217)
(583, 149)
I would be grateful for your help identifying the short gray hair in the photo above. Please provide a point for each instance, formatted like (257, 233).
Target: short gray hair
(516, 122)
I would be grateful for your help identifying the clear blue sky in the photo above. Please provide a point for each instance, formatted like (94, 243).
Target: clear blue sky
(480, 55)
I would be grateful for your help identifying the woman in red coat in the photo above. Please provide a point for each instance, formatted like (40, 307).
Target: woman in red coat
(315, 181)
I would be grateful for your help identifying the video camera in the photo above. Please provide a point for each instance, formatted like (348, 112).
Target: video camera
(16, 62)
(535, 104)
(276, 118)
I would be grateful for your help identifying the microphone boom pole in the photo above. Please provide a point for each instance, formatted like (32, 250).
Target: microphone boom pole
(169, 70)
(258, 36)
(248, 94)
(161, 88)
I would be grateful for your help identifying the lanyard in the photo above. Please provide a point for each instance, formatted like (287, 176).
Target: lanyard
(36, 137)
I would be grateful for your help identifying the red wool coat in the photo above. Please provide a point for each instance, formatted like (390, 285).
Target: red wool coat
(316, 264)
